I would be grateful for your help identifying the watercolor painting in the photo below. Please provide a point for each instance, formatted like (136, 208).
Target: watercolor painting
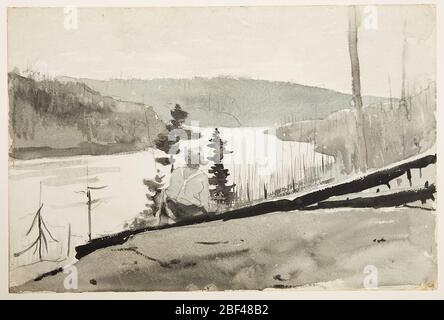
(222, 148)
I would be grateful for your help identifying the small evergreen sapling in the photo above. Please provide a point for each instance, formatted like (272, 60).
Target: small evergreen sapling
(151, 214)
(41, 241)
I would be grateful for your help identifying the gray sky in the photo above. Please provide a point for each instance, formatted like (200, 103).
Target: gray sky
(306, 45)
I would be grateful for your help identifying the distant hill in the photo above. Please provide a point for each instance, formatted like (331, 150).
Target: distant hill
(51, 118)
(225, 101)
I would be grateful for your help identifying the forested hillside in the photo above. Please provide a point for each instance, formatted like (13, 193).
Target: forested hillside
(50, 118)
(228, 102)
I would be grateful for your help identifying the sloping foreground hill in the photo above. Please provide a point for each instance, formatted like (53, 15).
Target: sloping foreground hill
(228, 102)
(286, 250)
(50, 118)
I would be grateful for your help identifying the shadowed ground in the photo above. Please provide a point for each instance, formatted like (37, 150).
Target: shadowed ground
(325, 249)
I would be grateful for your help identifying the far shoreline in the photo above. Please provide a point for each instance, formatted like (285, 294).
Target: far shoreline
(93, 149)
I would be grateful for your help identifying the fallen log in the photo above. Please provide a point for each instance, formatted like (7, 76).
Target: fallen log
(364, 182)
(387, 200)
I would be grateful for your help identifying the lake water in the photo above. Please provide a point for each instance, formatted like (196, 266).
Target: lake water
(257, 159)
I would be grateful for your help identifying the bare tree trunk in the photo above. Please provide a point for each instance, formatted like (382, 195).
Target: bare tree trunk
(403, 101)
(404, 54)
(39, 221)
(356, 87)
(88, 194)
(68, 251)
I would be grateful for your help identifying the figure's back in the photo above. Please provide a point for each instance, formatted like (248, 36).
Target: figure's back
(189, 186)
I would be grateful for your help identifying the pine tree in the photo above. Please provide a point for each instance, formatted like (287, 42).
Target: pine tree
(221, 193)
(163, 142)
(179, 117)
(153, 206)
(41, 242)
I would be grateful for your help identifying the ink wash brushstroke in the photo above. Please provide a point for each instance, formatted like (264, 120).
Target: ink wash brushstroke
(222, 148)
